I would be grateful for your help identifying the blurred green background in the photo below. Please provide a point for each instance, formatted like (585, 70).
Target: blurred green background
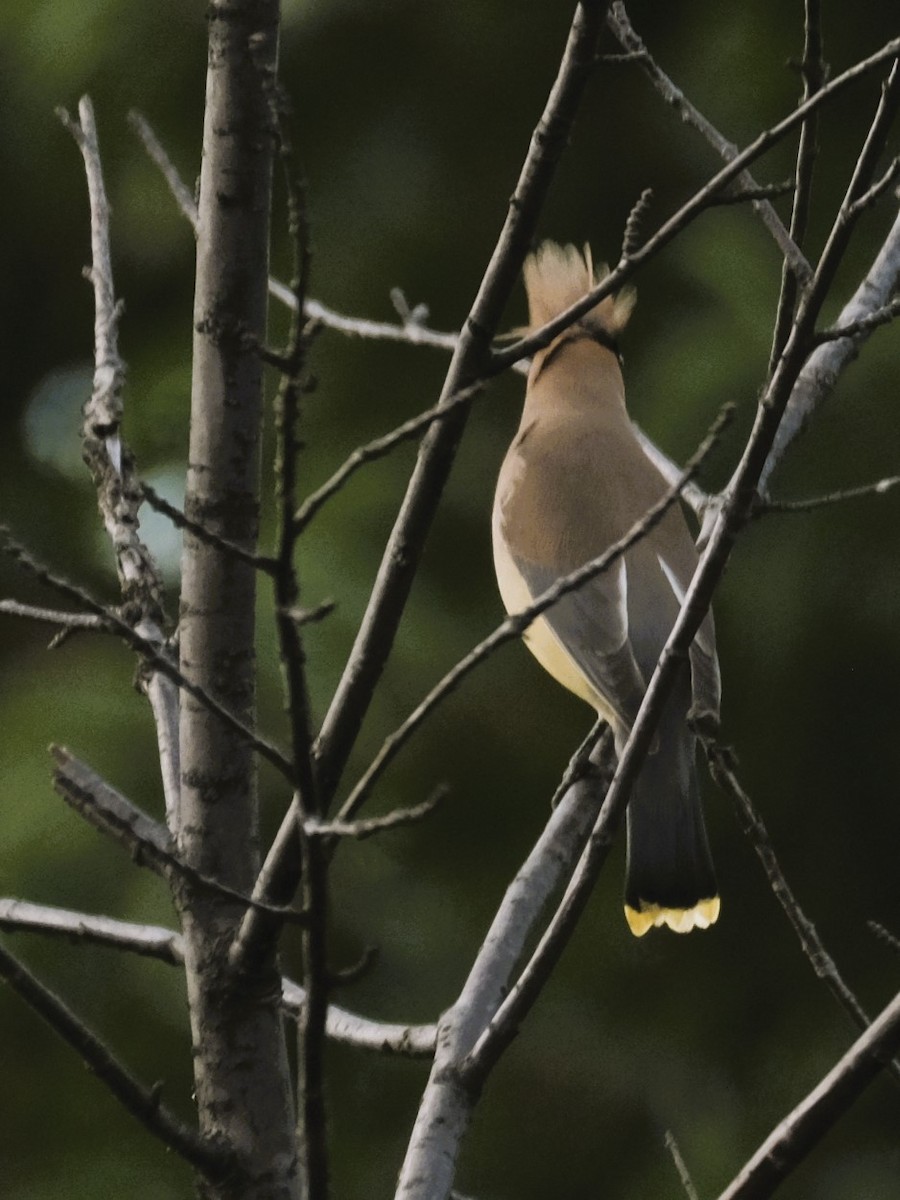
(413, 120)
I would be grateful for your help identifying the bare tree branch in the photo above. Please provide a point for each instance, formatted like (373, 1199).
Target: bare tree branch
(803, 1129)
(863, 325)
(681, 1166)
(814, 384)
(184, 198)
(699, 202)
(147, 841)
(580, 764)
(155, 657)
(877, 190)
(181, 521)
(438, 450)
(287, 415)
(762, 191)
(814, 72)
(399, 563)
(309, 616)
(103, 411)
(378, 448)
(631, 237)
(152, 941)
(885, 936)
(409, 332)
(392, 820)
(692, 494)
(312, 1138)
(112, 466)
(68, 620)
(820, 960)
(824, 365)
(860, 180)
(167, 945)
(448, 1100)
(624, 31)
(382, 1037)
(142, 1102)
(796, 506)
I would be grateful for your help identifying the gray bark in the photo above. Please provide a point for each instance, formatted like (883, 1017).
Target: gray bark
(240, 1063)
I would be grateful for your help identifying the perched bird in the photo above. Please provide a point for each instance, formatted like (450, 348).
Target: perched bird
(575, 480)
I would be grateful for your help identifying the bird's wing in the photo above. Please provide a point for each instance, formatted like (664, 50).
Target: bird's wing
(705, 677)
(591, 625)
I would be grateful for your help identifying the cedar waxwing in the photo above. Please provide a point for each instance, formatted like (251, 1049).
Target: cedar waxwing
(574, 480)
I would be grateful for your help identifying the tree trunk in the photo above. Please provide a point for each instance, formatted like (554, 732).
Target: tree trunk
(240, 1061)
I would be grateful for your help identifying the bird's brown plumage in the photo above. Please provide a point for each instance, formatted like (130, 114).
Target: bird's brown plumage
(574, 481)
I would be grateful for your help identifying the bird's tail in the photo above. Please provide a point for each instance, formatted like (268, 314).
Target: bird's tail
(558, 276)
(669, 878)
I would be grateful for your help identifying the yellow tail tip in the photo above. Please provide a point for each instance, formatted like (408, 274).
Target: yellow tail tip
(682, 920)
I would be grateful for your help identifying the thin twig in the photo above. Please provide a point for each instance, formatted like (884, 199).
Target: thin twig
(632, 234)
(692, 494)
(822, 368)
(310, 616)
(378, 448)
(681, 1167)
(142, 1102)
(68, 620)
(764, 507)
(407, 333)
(340, 977)
(147, 841)
(167, 945)
(516, 624)
(885, 936)
(103, 411)
(312, 1137)
(111, 464)
(762, 191)
(181, 521)
(580, 765)
(287, 416)
(699, 202)
(183, 196)
(789, 1143)
(412, 333)
(814, 73)
(867, 199)
(863, 325)
(382, 1037)
(393, 820)
(151, 941)
(155, 656)
(624, 31)
(721, 769)
(861, 178)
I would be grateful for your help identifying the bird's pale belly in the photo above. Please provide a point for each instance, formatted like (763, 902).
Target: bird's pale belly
(540, 638)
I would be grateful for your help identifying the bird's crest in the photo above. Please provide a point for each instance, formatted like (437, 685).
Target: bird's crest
(558, 276)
